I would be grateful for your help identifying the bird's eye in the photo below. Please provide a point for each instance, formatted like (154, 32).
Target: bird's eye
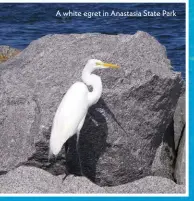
(98, 63)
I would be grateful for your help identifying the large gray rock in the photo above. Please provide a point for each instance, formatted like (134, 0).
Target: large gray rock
(180, 166)
(25, 180)
(122, 132)
(148, 185)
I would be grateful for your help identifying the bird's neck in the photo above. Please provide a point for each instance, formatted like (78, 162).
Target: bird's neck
(96, 83)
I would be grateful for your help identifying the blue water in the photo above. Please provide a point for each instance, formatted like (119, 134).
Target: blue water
(22, 23)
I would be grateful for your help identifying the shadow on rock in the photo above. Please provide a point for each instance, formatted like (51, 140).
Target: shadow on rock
(40, 159)
(92, 142)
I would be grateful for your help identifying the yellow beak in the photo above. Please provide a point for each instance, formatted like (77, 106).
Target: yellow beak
(109, 65)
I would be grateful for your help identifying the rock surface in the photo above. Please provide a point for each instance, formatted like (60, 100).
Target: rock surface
(179, 139)
(150, 184)
(180, 166)
(80, 185)
(122, 132)
(179, 120)
(33, 180)
(29, 180)
(7, 52)
(163, 164)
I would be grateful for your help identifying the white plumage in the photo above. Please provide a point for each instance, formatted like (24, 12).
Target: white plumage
(71, 113)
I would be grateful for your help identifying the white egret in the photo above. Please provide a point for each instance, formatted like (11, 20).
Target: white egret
(71, 113)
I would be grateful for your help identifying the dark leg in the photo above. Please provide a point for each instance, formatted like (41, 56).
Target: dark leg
(66, 152)
(77, 148)
(52, 159)
(49, 155)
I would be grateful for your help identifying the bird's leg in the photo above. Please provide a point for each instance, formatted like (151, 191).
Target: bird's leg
(77, 148)
(50, 160)
(66, 148)
(66, 152)
(49, 155)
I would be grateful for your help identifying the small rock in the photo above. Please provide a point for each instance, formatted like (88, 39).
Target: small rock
(163, 164)
(7, 52)
(179, 120)
(180, 167)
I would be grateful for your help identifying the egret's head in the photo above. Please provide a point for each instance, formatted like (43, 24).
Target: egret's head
(97, 64)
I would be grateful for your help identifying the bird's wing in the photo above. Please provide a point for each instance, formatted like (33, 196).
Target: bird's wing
(70, 113)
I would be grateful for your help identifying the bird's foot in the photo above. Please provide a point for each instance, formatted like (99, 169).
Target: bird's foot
(65, 176)
(63, 179)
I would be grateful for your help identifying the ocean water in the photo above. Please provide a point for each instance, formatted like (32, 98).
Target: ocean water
(22, 23)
